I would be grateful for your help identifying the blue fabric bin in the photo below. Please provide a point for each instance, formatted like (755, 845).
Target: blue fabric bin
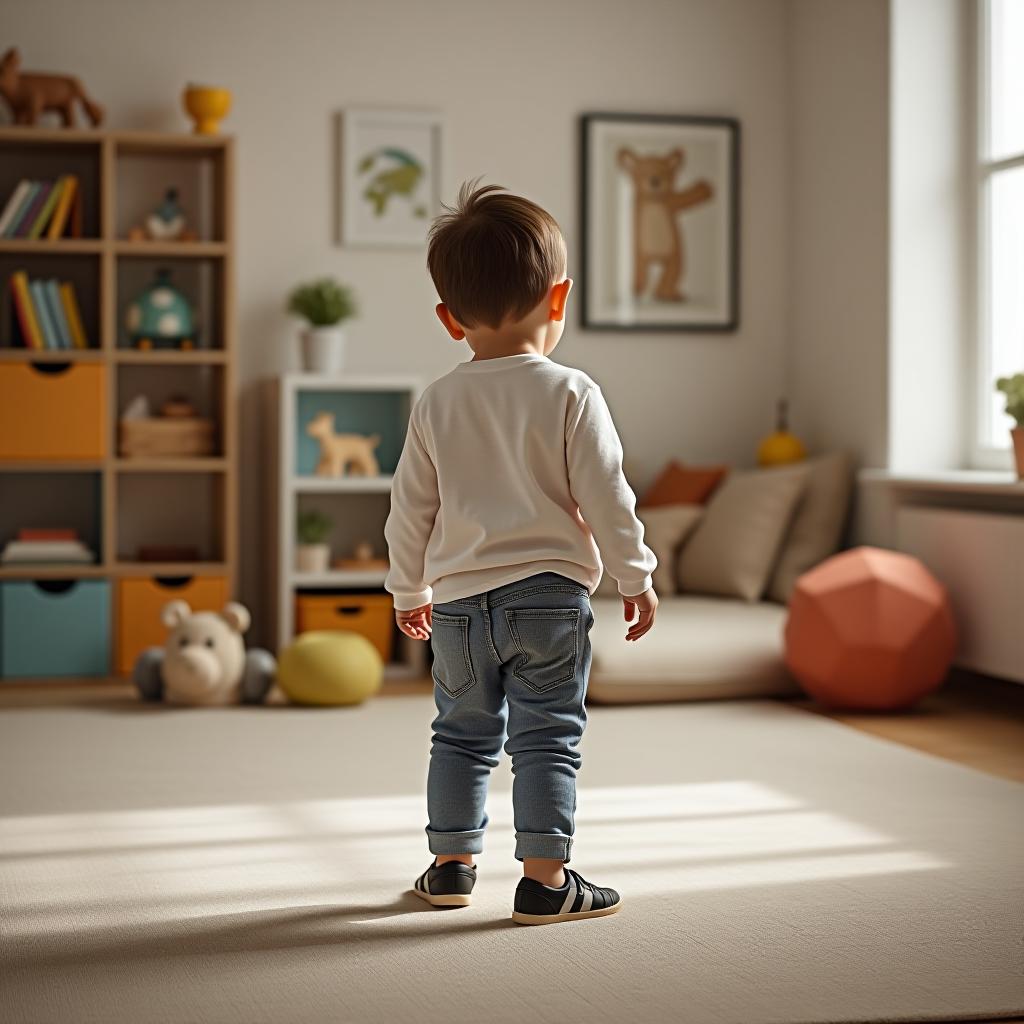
(54, 628)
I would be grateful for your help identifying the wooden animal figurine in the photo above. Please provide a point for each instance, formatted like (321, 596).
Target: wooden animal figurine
(31, 93)
(343, 453)
(657, 237)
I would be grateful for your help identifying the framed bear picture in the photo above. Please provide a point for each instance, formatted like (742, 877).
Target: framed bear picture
(659, 222)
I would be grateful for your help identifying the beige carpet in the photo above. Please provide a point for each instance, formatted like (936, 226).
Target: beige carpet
(249, 866)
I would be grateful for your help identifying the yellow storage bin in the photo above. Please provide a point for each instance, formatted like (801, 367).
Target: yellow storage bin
(140, 601)
(52, 411)
(370, 615)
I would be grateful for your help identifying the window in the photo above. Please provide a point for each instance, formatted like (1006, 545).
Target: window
(1001, 216)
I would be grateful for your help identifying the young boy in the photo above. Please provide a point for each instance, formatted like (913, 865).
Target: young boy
(510, 481)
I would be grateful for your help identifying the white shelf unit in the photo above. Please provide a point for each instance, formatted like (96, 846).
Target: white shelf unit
(357, 506)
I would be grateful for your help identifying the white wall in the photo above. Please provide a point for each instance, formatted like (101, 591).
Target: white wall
(840, 119)
(512, 80)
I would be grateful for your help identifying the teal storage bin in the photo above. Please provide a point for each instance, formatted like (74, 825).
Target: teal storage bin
(54, 628)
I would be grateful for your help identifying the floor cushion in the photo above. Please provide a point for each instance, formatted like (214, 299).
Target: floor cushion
(700, 648)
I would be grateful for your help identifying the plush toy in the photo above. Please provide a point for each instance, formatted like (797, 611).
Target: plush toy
(31, 93)
(657, 237)
(343, 453)
(205, 661)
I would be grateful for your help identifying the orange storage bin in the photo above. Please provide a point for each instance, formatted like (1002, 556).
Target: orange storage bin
(371, 615)
(52, 411)
(140, 601)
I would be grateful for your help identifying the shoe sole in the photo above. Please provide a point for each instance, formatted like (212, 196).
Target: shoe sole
(555, 918)
(450, 900)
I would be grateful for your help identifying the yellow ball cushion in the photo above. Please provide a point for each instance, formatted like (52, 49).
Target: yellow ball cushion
(329, 668)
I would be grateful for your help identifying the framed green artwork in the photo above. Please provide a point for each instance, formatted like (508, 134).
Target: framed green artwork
(390, 176)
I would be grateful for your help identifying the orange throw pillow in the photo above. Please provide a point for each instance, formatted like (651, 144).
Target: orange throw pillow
(684, 485)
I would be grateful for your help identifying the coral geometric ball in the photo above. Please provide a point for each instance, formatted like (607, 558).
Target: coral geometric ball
(869, 629)
(781, 447)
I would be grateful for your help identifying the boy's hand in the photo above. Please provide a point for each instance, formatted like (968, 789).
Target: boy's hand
(415, 622)
(647, 606)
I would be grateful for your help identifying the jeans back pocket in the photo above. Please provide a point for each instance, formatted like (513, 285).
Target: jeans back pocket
(548, 641)
(449, 640)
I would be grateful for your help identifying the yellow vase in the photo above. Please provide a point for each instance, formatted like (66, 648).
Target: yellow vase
(781, 447)
(207, 106)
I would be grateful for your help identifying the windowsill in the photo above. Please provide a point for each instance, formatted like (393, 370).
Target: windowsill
(962, 481)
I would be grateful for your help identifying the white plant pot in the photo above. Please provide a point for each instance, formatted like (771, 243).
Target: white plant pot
(312, 558)
(323, 349)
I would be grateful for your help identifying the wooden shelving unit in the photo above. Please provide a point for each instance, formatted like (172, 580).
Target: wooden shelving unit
(122, 175)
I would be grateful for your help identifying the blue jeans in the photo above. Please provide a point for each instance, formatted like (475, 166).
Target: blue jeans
(511, 662)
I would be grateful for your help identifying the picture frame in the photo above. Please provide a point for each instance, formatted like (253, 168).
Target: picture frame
(659, 222)
(390, 176)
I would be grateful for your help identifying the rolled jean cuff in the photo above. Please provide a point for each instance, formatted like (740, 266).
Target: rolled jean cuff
(543, 845)
(445, 843)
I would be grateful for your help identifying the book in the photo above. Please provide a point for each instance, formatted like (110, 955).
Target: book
(24, 210)
(46, 210)
(73, 316)
(56, 309)
(42, 308)
(47, 533)
(59, 219)
(22, 551)
(14, 205)
(31, 332)
(26, 222)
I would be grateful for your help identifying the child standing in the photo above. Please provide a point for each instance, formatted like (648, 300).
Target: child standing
(509, 484)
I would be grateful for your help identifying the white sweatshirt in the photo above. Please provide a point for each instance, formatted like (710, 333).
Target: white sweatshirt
(511, 467)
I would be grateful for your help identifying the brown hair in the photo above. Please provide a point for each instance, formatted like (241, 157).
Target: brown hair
(493, 256)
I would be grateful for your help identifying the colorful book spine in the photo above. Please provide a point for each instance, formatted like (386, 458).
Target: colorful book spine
(46, 210)
(47, 533)
(60, 215)
(73, 315)
(56, 309)
(25, 225)
(13, 206)
(42, 308)
(31, 333)
(25, 209)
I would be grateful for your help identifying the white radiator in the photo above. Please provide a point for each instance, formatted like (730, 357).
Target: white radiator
(980, 558)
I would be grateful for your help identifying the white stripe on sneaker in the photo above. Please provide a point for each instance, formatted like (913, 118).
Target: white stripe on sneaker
(573, 893)
(588, 899)
(426, 882)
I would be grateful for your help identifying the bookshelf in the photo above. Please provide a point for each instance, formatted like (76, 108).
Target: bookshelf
(119, 505)
(357, 506)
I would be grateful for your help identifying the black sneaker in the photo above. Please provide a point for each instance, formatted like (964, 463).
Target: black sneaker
(576, 900)
(449, 885)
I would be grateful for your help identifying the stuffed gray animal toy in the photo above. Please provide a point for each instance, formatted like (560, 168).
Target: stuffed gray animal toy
(205, 661)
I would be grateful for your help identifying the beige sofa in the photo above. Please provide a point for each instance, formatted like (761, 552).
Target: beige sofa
(724, 577)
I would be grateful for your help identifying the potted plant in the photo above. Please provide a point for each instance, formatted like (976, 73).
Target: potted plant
(312, 554)
(325, 305)
(1013, 388)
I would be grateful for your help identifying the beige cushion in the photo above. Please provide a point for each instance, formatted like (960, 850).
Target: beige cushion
(817, 526)
(665, 529)
(733, 549)
(699, 648)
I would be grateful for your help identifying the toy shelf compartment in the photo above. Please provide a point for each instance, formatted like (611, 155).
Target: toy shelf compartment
(146, 169)
(160, 509)
(64, 499)
(46, 158)
(82, 271)
(200, 280)
(379, 411)
(203, 385)
(355, 518)
(51, 628)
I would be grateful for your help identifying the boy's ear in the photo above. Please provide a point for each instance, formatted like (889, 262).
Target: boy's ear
(457, 333)
(559, 299)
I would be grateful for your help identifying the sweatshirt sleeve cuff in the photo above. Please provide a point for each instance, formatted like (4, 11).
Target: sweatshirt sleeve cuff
(631, 588)
(406, 602)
